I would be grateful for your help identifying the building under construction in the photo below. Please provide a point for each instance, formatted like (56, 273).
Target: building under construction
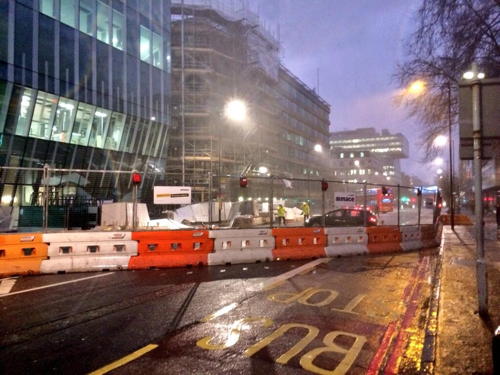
(219, 54)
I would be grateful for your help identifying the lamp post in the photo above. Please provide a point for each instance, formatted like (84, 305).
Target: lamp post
(234, 110)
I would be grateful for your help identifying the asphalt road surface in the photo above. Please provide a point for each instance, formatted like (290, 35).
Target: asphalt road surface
(359, 315)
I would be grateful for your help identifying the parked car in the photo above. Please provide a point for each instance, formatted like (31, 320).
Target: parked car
(344, 217)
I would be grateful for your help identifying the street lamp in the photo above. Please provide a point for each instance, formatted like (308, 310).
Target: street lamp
(235, 110)
(440, 141)
(438, 161)
(416, 87)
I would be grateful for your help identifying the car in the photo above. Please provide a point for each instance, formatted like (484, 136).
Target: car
(344, 217)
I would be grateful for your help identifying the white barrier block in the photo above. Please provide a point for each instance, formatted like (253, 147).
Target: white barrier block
(242, 239)
(86, 236)
(84, 263)
(234, 233)
(346, 241)
(410, 238)
(239, 257)
(94, 248)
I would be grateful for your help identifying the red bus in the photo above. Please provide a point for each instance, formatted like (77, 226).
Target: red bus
(379, 202)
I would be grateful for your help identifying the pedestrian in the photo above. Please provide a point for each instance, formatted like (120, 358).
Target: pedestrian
(306, 211)
(281, 214)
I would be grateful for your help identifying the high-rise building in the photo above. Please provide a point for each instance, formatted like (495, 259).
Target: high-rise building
(83, 85)
(223, 53)
(365, 155)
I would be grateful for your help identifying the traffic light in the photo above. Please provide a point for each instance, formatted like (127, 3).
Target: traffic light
(324, 185)
(243, 182)
(384, 190)
(136, 178)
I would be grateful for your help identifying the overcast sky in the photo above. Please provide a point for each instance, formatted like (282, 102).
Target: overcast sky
(356, 45)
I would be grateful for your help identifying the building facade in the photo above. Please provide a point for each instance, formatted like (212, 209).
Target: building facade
(365, 155)
(219, 54)
(84, 85)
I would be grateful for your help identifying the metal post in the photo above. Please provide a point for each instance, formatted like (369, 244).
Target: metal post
(478, 187)
(399, 205)
(419, 203)
(365, 202)
(323, 211)
(134, 206)
(452, 203)
(210, 198)
(271, 204)
(219, 173)
(183, 111)
(46, 176)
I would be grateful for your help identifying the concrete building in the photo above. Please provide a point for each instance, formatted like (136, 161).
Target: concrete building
(219, 54)
(83, 85)
(365, 155)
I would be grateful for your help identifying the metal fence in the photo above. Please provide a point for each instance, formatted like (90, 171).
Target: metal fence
(43, 198)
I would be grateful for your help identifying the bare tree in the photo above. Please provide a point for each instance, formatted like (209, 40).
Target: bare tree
(450, 36)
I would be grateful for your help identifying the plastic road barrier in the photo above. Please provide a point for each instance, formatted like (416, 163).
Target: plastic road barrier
(383, 239)
(346, 241)
(241, 246)
(299, 243)
(88, 251)
(173, 248)
(21, 253)
(410, 238)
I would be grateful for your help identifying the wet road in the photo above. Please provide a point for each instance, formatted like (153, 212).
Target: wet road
(348, 315)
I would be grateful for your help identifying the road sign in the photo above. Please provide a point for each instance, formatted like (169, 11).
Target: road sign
(345, 199)
(172, 194)
(490, 117)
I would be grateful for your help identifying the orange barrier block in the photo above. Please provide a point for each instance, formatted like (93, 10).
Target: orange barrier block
(383, 239)
(299, 243)
(164, 249)
(430, 235)
(459, 219)
(21, 254)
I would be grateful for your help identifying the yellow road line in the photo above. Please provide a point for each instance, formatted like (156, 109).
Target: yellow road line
(124, 360)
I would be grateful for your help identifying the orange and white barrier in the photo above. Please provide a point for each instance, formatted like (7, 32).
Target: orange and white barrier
(383, 239)
(346, 241)
(21, 254)
(299, 243)
(87, 251)
(233, 246)
(410, 238)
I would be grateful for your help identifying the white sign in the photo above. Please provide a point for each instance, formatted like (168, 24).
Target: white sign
(345, 199)
(172, 194)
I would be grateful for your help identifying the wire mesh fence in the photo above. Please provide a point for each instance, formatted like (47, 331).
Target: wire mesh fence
(62, 198)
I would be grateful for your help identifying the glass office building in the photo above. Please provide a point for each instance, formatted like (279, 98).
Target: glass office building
(84, 84)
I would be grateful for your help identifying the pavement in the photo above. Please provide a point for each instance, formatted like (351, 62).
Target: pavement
(464, 339)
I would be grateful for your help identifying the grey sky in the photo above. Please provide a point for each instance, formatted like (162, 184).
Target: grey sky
(356, 45)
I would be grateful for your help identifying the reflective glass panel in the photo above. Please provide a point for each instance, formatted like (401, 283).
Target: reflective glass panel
(99, 127)
(118, 30)
(87, 16)
(5, 91)
(68, 12)
(43, 115)
(145, 44)
(65, 115)
(83, 121)
(47, 7)
(115, 131)
(24, 111)
(103, 22)
(157, 51)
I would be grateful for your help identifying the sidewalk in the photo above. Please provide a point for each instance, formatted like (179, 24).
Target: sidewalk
(463, 338)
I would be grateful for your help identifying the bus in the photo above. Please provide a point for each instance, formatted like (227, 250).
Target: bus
(379, 202)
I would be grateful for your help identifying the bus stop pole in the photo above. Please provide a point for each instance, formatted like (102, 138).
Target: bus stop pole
(399, 204)
(419, 204)
(365, 219)
(271, 204)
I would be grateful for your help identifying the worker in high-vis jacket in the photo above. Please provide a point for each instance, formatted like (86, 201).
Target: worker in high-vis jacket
(306, 211)
(281, 214)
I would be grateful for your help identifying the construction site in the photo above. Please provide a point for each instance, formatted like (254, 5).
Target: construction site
(222, 52)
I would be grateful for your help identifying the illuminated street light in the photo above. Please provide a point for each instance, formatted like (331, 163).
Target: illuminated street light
(318, 148)
(440, 141)
(438, 161)
(416, 87)
(235, 110)
(439, 171)
(356, 163)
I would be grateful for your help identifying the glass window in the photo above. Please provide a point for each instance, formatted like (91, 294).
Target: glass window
(87, 16)
(83, 121)
(157, 51)
(68, 12)
(65, 115)
(25, 110)
(47, 7)
(145, 44)
(103, 13)
(118, 30)
(5, 91)
(99, 127)
(43, 115)
(115, 132)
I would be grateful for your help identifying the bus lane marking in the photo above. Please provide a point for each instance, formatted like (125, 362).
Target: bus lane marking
(124, 360)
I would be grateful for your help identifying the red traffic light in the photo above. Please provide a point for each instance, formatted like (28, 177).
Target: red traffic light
(243, 182)
(324, 185)
(136, 178)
